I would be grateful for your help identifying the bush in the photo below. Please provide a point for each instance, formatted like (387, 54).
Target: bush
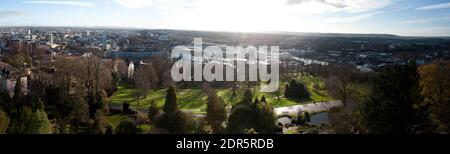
(176, 122)
(303, 118)
(127, 126)
(153, 111)
(296, 90)
(246, 115)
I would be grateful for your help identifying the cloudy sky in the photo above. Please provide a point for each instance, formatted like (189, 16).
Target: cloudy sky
(401, 17)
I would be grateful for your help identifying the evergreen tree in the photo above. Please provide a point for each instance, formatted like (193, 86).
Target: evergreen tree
(246, 115)
(242, 118)
(171, 101)
(296, 90)
(40, 123)
(266, 118)
(173, 120)
(215, 111)
(263, 99)
(391, 106)
(256, 102)
(247, 98)
(4, 122)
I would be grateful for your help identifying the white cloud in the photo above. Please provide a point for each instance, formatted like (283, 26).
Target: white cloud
(344, 5)
(6, 14)
(435, 6)
(338, 4)
(135, 3)
(303, 6)
(69, 3)
(351, 18)
(424, 20)
(267, 15)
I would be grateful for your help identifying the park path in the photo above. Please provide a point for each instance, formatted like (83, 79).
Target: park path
(310, 107)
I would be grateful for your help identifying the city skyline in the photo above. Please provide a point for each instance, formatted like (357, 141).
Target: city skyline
(399, 17)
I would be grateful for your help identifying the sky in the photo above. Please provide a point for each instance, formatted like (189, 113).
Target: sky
(399, 17)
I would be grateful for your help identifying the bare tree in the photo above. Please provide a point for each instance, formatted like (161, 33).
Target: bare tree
(144, 80)
(339, 84)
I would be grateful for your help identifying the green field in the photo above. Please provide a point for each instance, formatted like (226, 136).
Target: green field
(195, 101)
(188, 99)
(114, 120)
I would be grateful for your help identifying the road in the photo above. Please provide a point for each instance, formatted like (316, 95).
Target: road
(310, 107)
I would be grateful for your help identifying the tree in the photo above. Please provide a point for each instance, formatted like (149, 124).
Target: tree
(215, 112)
(171, 101)
(40, 124)
(391, 105)
(18, 93)
(241, 118)
(96, 78)
(153, 111)
(4, 121)
(247, 98)
(79, 113)
(247, 115)
(278, 93)
(296, 90)
(176, 122)
(263, 99)
(144, 80)
(266, 117)
(162, 69)
(127, 126)
(303, 118)
(20, 120)
(339, 85)
(100, 123)
(435, 80)
(347, 119)
(307, 117)
(173, 120)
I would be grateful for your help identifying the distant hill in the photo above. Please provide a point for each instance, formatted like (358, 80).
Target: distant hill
(340, 35)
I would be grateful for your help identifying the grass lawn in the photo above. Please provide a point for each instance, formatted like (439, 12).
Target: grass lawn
(315, 85)
(145, 128)
(188, 99)
(195, 101)
(115, 120)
